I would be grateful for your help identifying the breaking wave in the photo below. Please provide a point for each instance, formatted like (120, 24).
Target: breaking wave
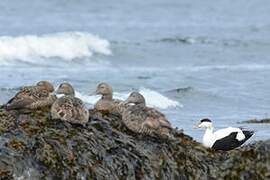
(64, 45)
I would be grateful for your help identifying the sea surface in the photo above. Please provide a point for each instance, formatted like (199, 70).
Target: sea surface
(191, 59)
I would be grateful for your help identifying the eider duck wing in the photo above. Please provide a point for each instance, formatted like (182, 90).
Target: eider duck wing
(230, 138)
(151, 123)
(80, 113)
(19, 103)
(70, 109)
(165, 123)
(61, 109)
(153, 112)
(157, 125)
(45, 102)
(227, 143)
(26, 96)
(247, 133)
(227, 131)
(24, 91)
(160, 116)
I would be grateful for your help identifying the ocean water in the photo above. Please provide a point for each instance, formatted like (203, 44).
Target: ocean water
(190, 59)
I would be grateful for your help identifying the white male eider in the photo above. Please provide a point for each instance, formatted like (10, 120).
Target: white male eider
(224, 139)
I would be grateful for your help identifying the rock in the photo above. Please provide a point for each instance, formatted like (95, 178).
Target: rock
(256, 121)
(34, 147)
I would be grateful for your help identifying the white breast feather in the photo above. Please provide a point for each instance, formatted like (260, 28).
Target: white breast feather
(240, 136)
(208, 139)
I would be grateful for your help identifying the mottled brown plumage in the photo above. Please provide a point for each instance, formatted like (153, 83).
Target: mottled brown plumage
(32, 97)
(106, 104)
(69, 108)
(141, 119)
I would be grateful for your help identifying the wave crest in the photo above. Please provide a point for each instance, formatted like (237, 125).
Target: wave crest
(63, 45)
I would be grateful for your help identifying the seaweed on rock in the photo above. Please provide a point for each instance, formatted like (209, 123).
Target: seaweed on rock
(34, 147)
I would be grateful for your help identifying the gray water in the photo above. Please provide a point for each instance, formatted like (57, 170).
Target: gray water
(216, 52)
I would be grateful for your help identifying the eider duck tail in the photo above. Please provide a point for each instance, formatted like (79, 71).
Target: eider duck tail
(247, 134)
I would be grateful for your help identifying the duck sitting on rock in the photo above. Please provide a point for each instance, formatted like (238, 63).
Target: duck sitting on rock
(223, 139)
(142, 119)
(32, 97)
(68, 107)
(106, 104)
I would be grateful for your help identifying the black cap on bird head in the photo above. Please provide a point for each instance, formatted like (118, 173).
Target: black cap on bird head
(206, 120)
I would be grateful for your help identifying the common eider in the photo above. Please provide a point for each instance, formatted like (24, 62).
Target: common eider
(106, 104)
(68, 107)
(224, 139)
(142, 119)
(32, 97)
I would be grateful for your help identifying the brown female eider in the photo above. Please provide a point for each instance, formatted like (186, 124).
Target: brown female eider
(142, 119)
(69, 108)
(32, 97)
(106, 104)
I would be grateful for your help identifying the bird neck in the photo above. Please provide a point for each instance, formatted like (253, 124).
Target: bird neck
(107, 96)
(209, 129)
(208, 132)
(208, 137)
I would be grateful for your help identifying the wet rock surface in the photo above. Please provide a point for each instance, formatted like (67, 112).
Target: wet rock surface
(34, 147)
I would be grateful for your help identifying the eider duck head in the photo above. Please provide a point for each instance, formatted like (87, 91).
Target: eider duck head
(65, 89)
(136, 99)
(205, 123)
(47, 85)
(104, 89)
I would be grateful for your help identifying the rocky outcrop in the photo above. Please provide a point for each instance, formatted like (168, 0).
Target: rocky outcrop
(256, 121)
(34, 147)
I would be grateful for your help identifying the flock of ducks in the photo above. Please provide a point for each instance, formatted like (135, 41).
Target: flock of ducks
(137, 117)
(66, 107)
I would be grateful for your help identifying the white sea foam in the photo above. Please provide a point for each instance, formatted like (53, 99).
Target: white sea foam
(64, 45)
(153, 99)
